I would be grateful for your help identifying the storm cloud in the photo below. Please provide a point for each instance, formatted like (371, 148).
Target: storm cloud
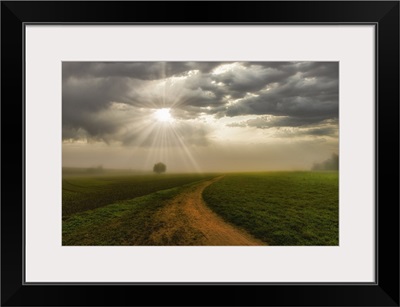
(111, 101)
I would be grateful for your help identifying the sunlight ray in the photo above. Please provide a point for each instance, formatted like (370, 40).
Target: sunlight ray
(186, 150)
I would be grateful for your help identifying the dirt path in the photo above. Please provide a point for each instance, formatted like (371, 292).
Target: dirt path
(186, 220)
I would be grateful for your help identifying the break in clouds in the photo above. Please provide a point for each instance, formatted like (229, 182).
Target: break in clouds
(206, 107)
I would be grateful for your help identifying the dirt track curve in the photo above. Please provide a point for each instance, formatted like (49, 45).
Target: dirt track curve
(186, 220)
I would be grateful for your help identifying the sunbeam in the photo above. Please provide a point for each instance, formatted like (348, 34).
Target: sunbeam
(166, 139)
(199, 116)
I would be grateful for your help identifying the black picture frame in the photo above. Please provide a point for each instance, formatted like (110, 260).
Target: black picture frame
(383, 14)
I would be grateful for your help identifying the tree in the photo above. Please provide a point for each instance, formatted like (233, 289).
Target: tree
(159, 168)
(330, 164)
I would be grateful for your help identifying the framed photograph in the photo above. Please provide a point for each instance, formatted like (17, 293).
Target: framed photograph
(238, 146)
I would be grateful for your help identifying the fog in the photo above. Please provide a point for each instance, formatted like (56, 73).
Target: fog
(199, 116)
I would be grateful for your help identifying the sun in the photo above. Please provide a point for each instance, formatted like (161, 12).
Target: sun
(163, 115)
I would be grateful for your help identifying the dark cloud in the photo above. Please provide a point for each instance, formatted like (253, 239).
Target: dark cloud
(265, 122)
(296, 93)
(135, 70)
(305, 126)
(250, 78)
(298, 97)
(85, 99)
(323, 131)
(317, 132)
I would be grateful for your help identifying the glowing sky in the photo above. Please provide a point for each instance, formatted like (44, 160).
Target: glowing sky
(199, 116)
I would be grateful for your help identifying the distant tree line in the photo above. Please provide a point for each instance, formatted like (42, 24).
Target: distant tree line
(331, 164)
(95, 170)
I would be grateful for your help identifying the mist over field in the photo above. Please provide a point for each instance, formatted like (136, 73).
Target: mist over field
(200, 153)
(199, 116)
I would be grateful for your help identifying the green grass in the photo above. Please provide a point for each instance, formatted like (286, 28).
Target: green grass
(280, 208)
(81, 193)
(127, 222)
(117, 209)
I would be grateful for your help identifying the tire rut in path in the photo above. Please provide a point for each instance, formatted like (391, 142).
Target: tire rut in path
(186, 220)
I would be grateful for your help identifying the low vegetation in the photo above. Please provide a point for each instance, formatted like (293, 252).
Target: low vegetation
(81, 193)
(128, 222)
(280, 208)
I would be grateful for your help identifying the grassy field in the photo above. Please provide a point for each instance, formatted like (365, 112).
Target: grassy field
(81, 193)
(116, 210)
(128, 222)
(280, 208)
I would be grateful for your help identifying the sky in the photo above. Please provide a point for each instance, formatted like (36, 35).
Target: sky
(199, 116)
